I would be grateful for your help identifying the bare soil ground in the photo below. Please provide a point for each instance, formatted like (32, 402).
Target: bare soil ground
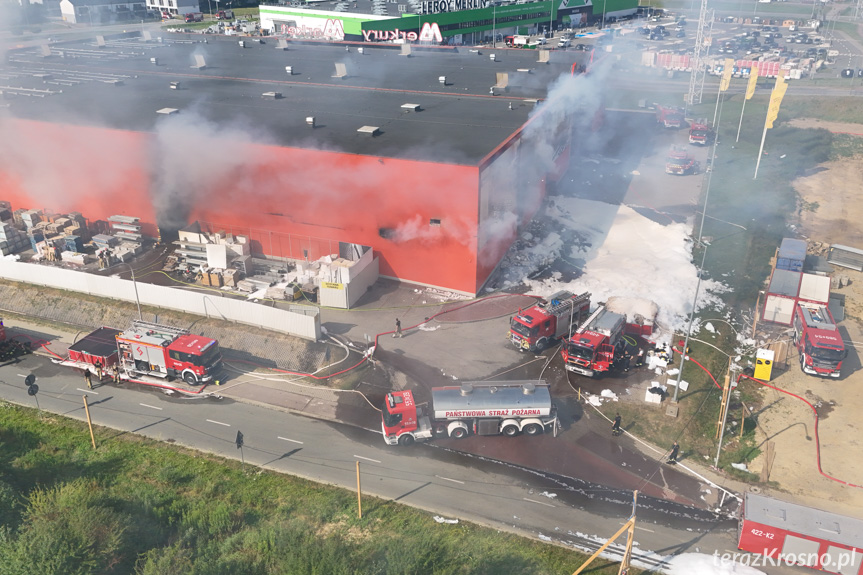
(830, 212)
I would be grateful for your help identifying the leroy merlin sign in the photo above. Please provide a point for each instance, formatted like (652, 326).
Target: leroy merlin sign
(438, 6)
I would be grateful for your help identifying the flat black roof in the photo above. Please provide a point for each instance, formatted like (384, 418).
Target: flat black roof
(458, 122)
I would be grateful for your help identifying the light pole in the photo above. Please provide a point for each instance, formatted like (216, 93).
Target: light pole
(691, 318)
(135, 285)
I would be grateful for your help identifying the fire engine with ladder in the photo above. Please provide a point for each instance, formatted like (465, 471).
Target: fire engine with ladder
(148, 353)
(541, 325)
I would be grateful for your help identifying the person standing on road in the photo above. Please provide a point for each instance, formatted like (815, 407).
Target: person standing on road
(98, 365)
(88, 379)
(398, 332)
(672, 457)
(615, 427)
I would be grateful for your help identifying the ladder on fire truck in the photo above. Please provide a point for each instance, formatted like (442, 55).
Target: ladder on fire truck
(565, 304)
(157, 328)
(598, 312)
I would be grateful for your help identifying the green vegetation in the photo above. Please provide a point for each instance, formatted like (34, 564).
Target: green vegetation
(137, 506)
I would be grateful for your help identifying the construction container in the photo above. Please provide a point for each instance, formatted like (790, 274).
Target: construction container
(792, 254)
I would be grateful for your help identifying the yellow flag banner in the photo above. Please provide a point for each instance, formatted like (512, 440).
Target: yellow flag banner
(727, 70)
(775, 101)
(753, 80)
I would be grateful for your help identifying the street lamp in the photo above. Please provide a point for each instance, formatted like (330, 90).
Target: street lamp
(691, 318)
(135, 285)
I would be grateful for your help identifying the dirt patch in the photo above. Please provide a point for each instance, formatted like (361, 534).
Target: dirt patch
(830, 209)
(834, 127)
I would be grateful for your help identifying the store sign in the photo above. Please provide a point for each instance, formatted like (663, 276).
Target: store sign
(430, 32)
(333, 29)
(438, 6)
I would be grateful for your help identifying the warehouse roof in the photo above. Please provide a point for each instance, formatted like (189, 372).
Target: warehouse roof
(118, 85)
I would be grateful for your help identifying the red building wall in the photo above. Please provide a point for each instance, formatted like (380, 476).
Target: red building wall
(287, 199)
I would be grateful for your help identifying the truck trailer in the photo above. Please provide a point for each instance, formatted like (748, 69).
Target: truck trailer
(481, 408)
(148, 353)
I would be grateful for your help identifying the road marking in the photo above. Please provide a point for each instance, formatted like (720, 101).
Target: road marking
(539, 502)
(87, 391)
(219, 423)
(642, 528)
(367, 458)
(448, 479)
(150, 406)
(291, 440)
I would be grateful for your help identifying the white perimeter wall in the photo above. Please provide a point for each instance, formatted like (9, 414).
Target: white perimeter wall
(301, 321)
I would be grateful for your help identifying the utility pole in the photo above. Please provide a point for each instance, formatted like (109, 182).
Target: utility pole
(683, 351)
(729, 384)
(629, 526)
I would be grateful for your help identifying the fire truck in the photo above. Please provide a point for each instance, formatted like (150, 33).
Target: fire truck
(539, 326)
(597, 345)
(669, 116)
(148, 350)
(700, 133)
(11, 348)
(680, 163)
(818, 340)
(482, 408)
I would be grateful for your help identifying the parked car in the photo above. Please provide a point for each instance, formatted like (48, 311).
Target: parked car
(681, 34)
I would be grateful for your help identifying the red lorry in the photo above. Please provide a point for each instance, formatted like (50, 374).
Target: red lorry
(669, 116)
(148, 352)
(679, 163)
(602, 340)
(194, 17)
(481, 408)
(818, 340)
(539, 326)
(700, 133)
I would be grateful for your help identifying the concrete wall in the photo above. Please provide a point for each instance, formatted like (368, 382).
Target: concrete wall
(300, 321)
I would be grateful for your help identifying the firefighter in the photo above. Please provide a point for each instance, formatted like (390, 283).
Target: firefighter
(615, 427)
(98, 366)
(672, 457)
(115, 371)
(88, 379)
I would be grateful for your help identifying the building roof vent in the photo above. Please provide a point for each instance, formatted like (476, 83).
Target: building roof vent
(370, 130)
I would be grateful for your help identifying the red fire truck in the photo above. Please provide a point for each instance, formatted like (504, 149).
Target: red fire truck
(700, 133)
(148, 350)
(669, 116)
(539, 326)
(818, 340)
(596, 346)
(680, 163)
(482, 408)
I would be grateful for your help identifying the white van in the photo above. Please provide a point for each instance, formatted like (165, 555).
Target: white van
(564, 43)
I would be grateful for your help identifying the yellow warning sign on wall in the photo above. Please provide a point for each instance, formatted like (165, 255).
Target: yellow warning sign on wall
(332, 285)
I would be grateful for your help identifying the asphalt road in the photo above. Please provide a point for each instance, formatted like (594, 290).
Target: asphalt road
(444, 482)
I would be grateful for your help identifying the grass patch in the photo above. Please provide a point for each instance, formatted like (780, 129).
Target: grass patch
(138, 506)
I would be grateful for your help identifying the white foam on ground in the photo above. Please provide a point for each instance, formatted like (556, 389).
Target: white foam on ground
(630, 256)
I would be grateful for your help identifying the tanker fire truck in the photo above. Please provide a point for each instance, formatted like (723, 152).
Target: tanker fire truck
(818, 340)
(482, 408)
(148, 353)
(539, 326)
(669, 116)
(700, 133)
(680, 163)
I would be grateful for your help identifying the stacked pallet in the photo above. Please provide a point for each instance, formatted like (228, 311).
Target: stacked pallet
(12, 240)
